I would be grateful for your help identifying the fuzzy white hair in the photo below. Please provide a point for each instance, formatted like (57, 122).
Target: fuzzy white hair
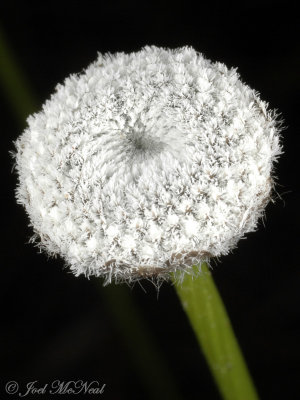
(147, 163)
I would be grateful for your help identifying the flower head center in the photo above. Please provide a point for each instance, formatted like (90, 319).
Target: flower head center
(145, 145)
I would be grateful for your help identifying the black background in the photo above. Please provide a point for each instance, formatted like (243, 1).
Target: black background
(56, 326)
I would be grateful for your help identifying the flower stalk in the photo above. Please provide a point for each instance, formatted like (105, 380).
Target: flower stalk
(207, 314)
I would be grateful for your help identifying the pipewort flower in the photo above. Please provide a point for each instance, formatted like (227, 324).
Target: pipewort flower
(146, 164)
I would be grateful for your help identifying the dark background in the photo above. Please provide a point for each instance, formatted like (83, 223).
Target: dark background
(56, 326)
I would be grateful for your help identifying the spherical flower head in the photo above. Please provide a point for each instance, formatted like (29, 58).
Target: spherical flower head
(147, 163)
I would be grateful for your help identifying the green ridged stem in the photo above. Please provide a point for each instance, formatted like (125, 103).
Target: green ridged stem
(207, 314)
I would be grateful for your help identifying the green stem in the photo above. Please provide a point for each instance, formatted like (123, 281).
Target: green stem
(203, 305)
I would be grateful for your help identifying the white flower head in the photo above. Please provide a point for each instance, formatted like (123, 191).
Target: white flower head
(147, 163)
